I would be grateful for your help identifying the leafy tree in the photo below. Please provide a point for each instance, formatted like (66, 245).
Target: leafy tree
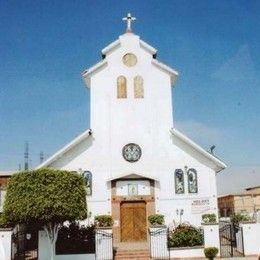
(236, 218)
(45, 197)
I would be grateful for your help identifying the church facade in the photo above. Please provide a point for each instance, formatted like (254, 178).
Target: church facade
(134, 161)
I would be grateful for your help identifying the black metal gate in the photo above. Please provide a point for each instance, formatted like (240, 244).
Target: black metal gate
(231, 240)
(25, 245)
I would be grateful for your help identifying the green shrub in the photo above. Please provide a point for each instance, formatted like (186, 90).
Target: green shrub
(156, 219)
(237, 218)
(209, 218)
(186, 236)
(210, 252)
(75, 239)
(103, 221)
(3, 222)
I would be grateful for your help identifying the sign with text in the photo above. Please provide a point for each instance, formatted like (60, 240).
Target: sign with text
(200, 206)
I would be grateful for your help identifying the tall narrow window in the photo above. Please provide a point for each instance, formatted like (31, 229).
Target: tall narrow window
(138, 87)
(179, 181)
(192, 181)
(121, 87)
(87, 176)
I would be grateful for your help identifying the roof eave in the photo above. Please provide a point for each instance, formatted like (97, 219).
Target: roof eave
(218, 163)
(148, 47)
(173, 73)
(110, 47)
(65, 149)
(89, 72)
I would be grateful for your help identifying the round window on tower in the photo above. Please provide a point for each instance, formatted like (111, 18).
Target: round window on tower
(129, 59)
(132, 152)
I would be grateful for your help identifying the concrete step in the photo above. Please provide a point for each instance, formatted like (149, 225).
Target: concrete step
(132, 254)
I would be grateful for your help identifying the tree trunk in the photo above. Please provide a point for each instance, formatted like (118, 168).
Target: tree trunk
(52, 230)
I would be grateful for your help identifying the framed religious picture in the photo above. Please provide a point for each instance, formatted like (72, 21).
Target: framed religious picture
(87, 175)
(132, 189)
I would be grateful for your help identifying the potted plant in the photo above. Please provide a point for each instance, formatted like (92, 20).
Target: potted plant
(209, 218)
(103, 221)
(210, 252)
(156, 219)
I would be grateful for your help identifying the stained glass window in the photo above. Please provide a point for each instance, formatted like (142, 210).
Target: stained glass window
(138, 87)
(179, 181)
(87, 175)
(192, 181)
(121, 87)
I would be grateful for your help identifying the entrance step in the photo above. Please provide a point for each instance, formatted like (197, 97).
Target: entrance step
(138, 254)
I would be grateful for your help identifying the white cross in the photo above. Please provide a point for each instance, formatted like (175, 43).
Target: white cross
(129, 20)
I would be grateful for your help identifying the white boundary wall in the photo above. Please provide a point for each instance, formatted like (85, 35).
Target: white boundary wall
(251, 237)
(211, 236)
(159, 243)
(44, 251)
(5, 244)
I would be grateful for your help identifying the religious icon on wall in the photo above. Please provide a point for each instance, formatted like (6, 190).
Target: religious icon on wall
(87, 175)
(132, 189)
(192, 181)
(179, 181)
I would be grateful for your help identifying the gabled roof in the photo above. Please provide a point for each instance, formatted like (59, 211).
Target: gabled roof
(116, 44)
(65, 149)
(219, 164)
(166, 69)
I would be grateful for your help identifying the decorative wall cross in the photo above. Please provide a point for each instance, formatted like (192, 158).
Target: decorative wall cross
(129, 20)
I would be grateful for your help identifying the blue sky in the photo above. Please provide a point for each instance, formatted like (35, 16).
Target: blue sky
(214, 45)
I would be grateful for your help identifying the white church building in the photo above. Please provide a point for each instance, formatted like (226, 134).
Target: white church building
(136, 163)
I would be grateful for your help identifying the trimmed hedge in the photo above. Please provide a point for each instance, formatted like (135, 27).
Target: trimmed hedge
(186, 236)
(156, 219)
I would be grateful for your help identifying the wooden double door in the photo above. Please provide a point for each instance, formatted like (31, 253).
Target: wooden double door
(133, 221)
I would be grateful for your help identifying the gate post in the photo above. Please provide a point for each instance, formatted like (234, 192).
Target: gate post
(104, 243)
(211, 235)
(159, 242)
(6, 243)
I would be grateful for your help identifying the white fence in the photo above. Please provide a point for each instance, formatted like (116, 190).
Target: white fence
(5, 244)
(104, 244)
(159, 247)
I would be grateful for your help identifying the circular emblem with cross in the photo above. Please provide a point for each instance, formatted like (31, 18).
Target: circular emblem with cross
(132, 152)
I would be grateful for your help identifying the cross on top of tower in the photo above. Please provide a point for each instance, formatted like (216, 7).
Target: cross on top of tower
(129, 20)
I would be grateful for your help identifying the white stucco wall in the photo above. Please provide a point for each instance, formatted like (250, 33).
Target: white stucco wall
(147, 122)
(5, 244)
(211, 236)
(251, 238)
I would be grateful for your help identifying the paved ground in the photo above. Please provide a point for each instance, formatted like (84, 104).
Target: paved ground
(242, 258)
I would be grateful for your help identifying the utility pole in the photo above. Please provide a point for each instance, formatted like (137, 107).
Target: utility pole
(41, 157)
(26, 156)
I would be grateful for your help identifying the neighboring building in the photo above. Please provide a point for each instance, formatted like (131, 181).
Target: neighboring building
(134, 161)
(247, 202)
(4, 177)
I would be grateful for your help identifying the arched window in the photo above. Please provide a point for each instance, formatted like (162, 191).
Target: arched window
(138, 87)
(87, 176)
(179, 181)
(121, 87)
(192, 181)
